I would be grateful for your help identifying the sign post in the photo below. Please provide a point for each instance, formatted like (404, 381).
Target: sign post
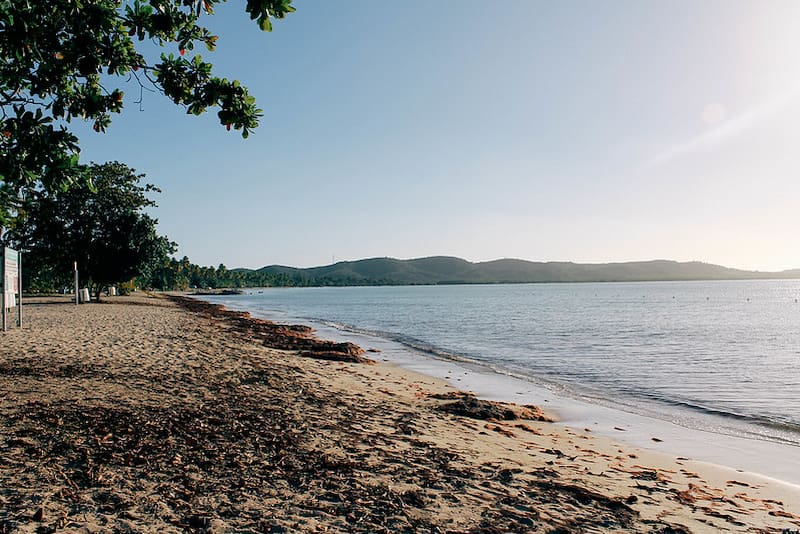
(3, 293)
(19, 288)
(12, 288)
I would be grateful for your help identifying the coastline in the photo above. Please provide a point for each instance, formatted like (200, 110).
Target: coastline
(679, 432)
(360, 447)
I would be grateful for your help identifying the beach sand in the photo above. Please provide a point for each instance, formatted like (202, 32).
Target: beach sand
(141, 414)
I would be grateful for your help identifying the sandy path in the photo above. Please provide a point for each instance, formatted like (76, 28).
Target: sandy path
(139, 416)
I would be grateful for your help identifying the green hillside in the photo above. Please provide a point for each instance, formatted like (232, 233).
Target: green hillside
(450, 270)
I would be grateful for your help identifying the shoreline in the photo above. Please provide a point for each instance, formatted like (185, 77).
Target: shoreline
(710, 445)
(261, 438)
(582, 415)
(635, 428)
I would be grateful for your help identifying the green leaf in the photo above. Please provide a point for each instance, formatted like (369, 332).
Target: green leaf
(56, 50)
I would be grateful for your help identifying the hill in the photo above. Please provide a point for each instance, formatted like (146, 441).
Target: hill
(450, 270)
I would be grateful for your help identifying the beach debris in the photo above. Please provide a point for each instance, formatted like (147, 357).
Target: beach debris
(737, 483)
(278, 336)
(449, 395)
(534, 413)
(617, 515)
(468, 405)
(727, 517)
(335, 356)
(344, 348)
(647, 474)
(526, 428)
(500, 430)
(694, 493)
(657, 440)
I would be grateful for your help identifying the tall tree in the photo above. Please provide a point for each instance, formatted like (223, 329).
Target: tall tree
(100, 223)
(58, 56)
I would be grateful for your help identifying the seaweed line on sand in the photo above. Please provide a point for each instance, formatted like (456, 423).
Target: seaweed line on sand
(177, 419)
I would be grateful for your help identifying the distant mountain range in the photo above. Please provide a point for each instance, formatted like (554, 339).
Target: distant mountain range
(450, 270)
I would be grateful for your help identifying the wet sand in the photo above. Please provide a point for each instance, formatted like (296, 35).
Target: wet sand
(141, 414)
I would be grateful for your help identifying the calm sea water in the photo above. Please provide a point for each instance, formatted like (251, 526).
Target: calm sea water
(725, 349)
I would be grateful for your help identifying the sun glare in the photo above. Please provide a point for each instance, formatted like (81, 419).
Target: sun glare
(714, 113)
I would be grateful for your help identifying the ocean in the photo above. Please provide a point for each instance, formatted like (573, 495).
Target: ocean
(721, 355)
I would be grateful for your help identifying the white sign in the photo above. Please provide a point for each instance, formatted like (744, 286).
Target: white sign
(11, 276)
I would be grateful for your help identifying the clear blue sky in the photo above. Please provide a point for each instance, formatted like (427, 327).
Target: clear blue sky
(583, 131)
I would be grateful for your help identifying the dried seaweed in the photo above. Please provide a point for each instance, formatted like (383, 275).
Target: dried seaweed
(468, 405)
(277, 336)
(273, 450)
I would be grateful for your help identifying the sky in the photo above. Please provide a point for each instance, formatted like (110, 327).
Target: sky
(548, 131)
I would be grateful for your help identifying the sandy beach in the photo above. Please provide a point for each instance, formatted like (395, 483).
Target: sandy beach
(150, 414)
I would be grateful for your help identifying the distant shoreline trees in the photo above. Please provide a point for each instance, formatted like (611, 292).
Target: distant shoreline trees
(182, 275)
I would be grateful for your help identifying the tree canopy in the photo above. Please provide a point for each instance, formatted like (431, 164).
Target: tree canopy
(59, 57)
(103, 228)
